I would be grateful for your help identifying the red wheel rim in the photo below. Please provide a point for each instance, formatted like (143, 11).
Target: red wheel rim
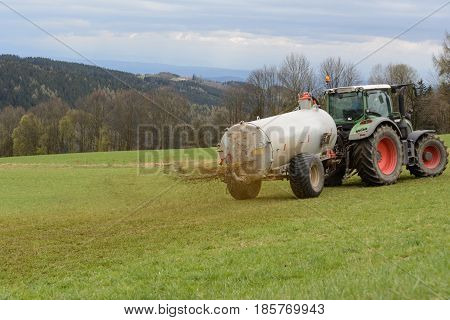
(431, 157)
(387, 152)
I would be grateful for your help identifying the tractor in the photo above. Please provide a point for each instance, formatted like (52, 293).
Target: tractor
(375, 141)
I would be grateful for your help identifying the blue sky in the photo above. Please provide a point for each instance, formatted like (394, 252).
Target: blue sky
(227, 34)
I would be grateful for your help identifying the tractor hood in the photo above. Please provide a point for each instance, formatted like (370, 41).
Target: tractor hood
(366, 127)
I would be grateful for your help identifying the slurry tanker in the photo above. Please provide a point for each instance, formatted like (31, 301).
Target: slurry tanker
(360, 133)
(291, 145)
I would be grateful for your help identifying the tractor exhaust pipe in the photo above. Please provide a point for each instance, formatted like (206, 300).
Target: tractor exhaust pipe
(401, 89)
(401, 103)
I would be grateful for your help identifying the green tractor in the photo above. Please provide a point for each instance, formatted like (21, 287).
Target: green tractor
(374, 141)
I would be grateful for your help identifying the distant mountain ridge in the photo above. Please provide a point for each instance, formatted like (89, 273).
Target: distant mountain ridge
(28, 81)
(209, 73)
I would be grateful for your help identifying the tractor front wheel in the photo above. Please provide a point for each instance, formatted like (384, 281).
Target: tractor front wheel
(306, 176)
(379, 158)
(431, 157)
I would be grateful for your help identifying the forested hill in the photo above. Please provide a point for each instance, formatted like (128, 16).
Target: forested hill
(28, 81)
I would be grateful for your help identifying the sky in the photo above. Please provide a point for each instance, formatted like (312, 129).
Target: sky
(227, 34)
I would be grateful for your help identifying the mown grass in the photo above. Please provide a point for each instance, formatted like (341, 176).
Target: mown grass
(118, 158)
(87, 226)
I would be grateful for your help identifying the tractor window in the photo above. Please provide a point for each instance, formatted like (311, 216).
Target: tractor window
(344, 107)
(378, 101)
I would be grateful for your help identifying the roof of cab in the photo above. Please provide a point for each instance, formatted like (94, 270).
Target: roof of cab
(362, 87)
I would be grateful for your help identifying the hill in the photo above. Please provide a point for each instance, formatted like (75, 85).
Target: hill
(28, 81)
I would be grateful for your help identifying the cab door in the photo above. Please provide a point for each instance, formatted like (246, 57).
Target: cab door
(379, 102)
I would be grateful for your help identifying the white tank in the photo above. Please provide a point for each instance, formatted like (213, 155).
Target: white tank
(257, 147)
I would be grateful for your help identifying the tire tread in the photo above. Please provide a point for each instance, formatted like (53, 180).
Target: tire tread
(415, 169)
(364, 153)
(299, 179)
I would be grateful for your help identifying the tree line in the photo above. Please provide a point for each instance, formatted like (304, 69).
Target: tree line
(273, 89)
(102, 121)
(110, 120)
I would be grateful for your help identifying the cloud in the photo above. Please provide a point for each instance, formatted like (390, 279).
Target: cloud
(235, 49)
(231, 34)
(64, 24)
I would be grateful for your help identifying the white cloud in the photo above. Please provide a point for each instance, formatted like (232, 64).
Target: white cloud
(63, 23)
(234, 49)
(230, 34)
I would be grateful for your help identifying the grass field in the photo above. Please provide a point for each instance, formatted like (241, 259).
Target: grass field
(87, 226)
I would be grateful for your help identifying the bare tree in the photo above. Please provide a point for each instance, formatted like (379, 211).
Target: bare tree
(398, 74)
(265, 90)
(177, 116)
(99, 104)
(236, 104)
(441, 97)
(401, 73)
(296, 75)
(130, 110)
(351, 75)
(377, 75)
(393, 74)
(442, 61)
(341, 73)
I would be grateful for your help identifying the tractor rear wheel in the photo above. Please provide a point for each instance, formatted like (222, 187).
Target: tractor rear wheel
(243, 191)
(431, 157)
(379, 158)
(306, 176)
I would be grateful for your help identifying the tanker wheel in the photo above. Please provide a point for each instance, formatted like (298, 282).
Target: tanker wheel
(432, 157)
(306, 176)
(242, 191)
(379, 158)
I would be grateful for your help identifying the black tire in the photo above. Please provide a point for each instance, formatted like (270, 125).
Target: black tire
(306, 176)
(336, 177)
(378, 158)
(433, 146)
(243, 191)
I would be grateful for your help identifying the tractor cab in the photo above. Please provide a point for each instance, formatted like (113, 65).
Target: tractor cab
(347, 105)
(358, 108)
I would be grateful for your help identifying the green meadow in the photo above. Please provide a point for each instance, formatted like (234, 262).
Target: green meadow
(92, 226)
